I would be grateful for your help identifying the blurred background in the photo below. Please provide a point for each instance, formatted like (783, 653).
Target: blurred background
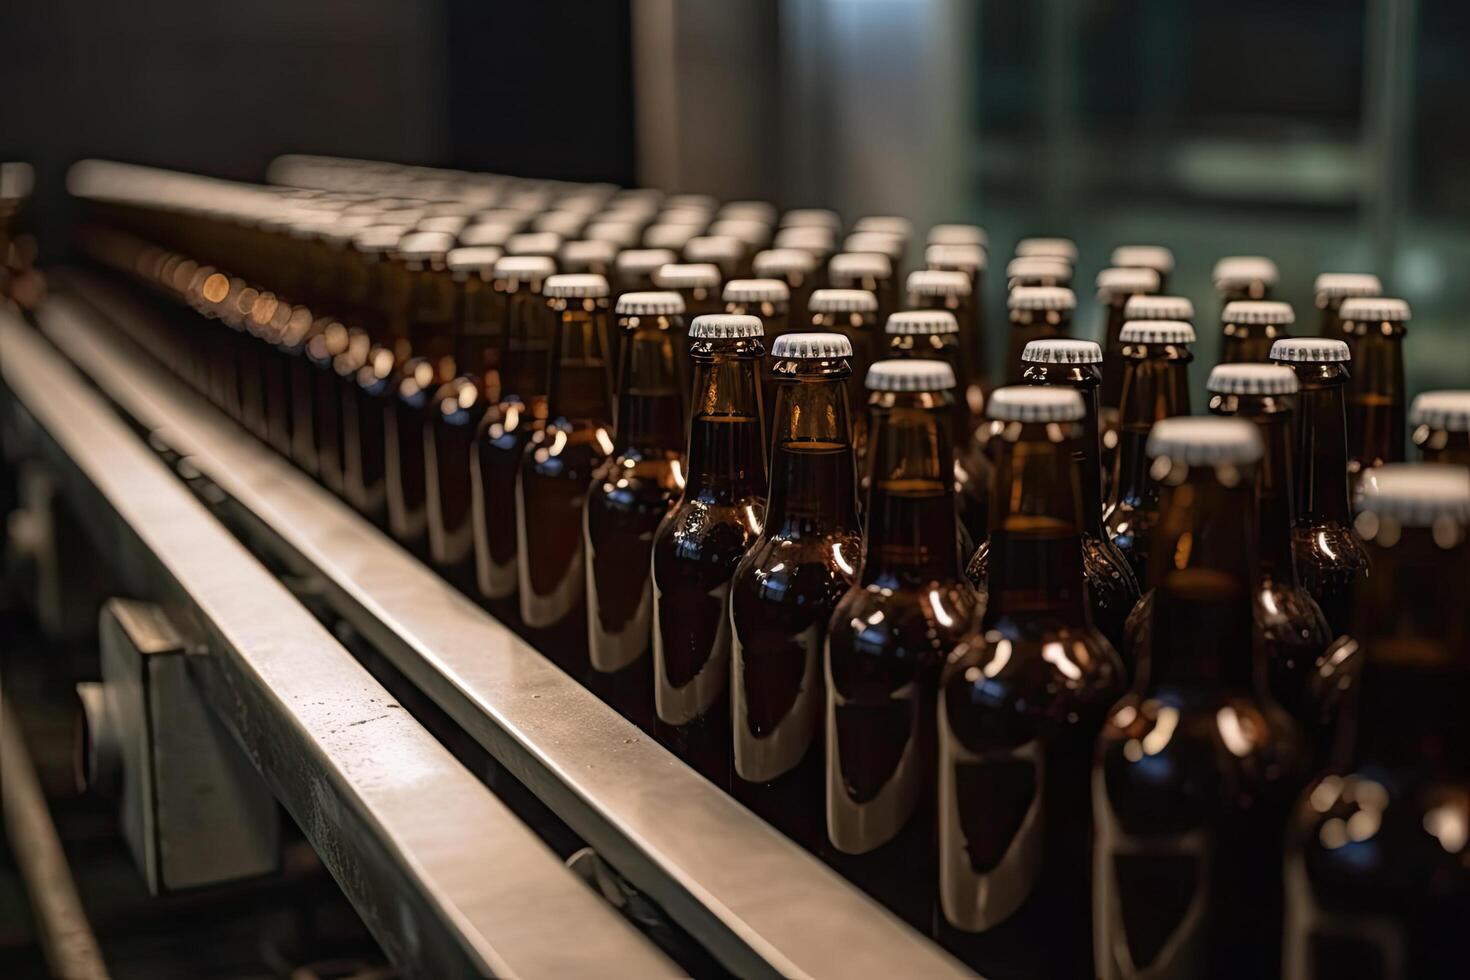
(1327, 134)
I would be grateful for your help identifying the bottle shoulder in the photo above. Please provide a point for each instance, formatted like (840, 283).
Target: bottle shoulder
(878, 629)
(699, 530)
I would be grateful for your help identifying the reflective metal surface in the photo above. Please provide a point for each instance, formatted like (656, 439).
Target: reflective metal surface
(755, 900)
(448, 879)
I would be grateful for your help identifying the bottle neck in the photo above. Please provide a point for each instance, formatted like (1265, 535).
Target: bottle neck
(651, 402)
(1377, 392)
(1112, 369)
(941, 347)
(1321, 445)
(1275, 502)
(1155, 387)
(1036, 523)
(813, 470)
(580, 387)
(526, 356)
(727, 458)
(1203, 566)
(1087, 447)
(912, 538)
(479, 329)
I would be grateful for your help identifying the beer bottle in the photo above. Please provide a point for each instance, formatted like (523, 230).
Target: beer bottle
(724, 251)
(1291, 625)
(1441, 421)
(1376, 879)
(854, 314)
(702, 539)
(429, 293)
(699, 284)
(1051, 248)
(1331, 288)
(1134, 308)
(634, 268)
(1037, 313)
(1112, 589)
(1249, 328)
(1155, 386)
(1115, 287)
(796, 268)
(972, 261)
(534, 243)
(1021, 702)
(556, 469)
(952, 290)
(887, 640)
(1156, 258)
(1196, 767)
(785, 588)
(507, 425)
(1329, 555)
(769, 299)
(1244, 277)
(872, 271)
(885, 224)
(587, 258)
(816, 241)
(752, 233)
(1037, 270)
(1375, 328)
(953, 234)
(890, 246)
(630, 494)
(673, 236)
(812, 218)
(936, 333)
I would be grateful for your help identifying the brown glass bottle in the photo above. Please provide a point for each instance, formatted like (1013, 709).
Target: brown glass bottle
(557, 468)
(957, 234)
(703, 537)
(1196, 767)
(1331, 288)
(1376, 878)
(972, 261)
(1329, 556)
(1112, 589)
(817, 242)
(1038, 270)
(795, 267)
(1158, 259)
(1155, 386)
(769, 299)
(1021, 702)
(854, 314)
(871, 271)
(1036, 313)
(1135, 308)
(1115, 287)
(507, 425)
(1250, 327)
(1441, 424)
(429, 292)
(892, 247)
(954, 291)
(725, 251)
(630, 494)
(699, 284)
(1376, 396)
(936, 333)
(1238, 277)
(887, 640)
(634, 268)
(1051, 248)
(784, 589)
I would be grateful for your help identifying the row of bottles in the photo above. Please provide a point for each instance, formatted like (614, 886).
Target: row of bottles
(1052, 659)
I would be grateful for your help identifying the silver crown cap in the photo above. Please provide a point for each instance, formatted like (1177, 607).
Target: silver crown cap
(958, 235)
(651, 304)
(910, 374)
(962, 258)
(1059, 248)
(848, 265)
(524, 267)
(1310, 349)
(811, 346)
(1042, 298)
(1061, 350)
(843, 301)
(1155, 257)
(1251, 379)
(681, 275)
(1035, 403)
(577, 284)
(922, 322)
(756, 291)
(1413, 494)
(936, 282)
(1156, 332)
(726, 326)
(1449, 410)
(1199, 440)
(1343, 284)
(1374, 308)
(1158, 308)
(775, 261)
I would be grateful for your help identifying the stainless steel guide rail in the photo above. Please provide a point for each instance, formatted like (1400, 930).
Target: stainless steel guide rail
(758, 902)
(448, 879)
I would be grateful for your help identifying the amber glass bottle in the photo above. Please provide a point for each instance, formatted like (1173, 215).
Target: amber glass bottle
(1377, 398)
(1156, 258)
(795, 267)
(854, 314)
(1038, 270)
(1441, 424)
(872, 271)
(769, 299)
(972, 261)
(699, 284)
(1135, 308)
(1331, 288)
(1037, 313)
(1115, 287)
(1250, 327)
(1244, 277)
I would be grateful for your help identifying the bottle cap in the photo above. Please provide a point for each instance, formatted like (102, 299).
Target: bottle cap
(1057, 248)
(1310, 350)
(956, 258)
(756, 291)
(533, 243)
(812, 346)
(476, 258)
(885, 225)
(423, 245)
(564, 223)
(576, 285)
(686, 275)
(448, 224)
(670, 236)
(651, 304)
(1042, 298)
(1200, 440)
(490, 233)
(922, 322)
(1258, 311)
(762, 211)
(843, 301)
(587, 252)
(714, 248)
(1039, 267)
(524, 267)
(1413, 494)
(1368, 309)
(1251, 379)
(1035, 403)
(1156, 332)
(1155, 257)
(812, 218)
(726, 326)
(753, 233)
(640, 261)
(1158, 308)
(1061, 350)
(958, 235)
(1242, 270)
(779, 261)
(875, 241)
(811, 238)
(910, 374)
(377, 238)
(1337, 285)
(623, 234)
(856, 265)
(1126, 281)
(1448, 410)
(934, 282)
